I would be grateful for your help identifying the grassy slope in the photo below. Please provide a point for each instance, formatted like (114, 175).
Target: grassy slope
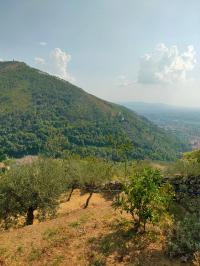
(98, 235)
(38, 111)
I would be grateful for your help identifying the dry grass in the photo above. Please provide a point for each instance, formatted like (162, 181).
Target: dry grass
(97, 236)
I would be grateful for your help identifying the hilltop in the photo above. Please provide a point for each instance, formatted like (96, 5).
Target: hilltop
(42, 114)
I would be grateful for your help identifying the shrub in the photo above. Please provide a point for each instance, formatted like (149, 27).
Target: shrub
(145, 197)
(184, 238)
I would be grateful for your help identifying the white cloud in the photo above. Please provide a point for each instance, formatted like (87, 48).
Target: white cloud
(56, 64)
(166, 65)
(42, 43)
(59, 63)
(123, 81)
(1, 60)
(39, 60)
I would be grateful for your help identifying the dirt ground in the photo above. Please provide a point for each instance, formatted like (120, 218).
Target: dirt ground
(98, 235)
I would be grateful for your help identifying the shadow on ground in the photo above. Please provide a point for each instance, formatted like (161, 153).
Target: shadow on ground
(123, 246)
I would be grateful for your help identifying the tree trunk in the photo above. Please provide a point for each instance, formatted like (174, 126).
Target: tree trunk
(6, 222)
(125, 168)
(30, 216)
(137, 224)
(70, 194)
(88, 200)
(144, 226)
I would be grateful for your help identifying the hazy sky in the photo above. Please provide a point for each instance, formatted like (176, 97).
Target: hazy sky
(119, 50)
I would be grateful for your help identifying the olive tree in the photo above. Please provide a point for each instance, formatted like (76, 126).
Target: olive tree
(73, 173)
(30, 187)
(95, 173)
(145, 197)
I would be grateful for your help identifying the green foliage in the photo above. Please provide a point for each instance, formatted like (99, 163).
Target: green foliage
(188, 165)
(41, 114)
(86, 174)
(31, 187)
(184, 238)
(184, 168)
(73, 171)
(95, 172)
(35, 254)
(145, 197)
(192, 156)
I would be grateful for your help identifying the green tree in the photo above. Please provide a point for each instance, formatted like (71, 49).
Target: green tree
(30, 187)
(73, 173)
(145, 197)
(95, 174)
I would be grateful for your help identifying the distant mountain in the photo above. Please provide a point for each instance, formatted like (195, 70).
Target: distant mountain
(40, 113)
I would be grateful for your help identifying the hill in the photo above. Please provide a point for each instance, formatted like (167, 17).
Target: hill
(40, 113)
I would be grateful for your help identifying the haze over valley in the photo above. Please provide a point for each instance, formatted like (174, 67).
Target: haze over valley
(182, 121)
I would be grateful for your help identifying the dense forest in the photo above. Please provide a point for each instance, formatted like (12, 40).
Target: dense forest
(41, 114)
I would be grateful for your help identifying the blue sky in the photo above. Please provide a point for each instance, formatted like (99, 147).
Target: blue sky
(119, 50)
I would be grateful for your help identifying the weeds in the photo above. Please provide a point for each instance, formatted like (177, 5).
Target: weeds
(50, 234)
(75, 224)
(34, 254)
(57, 260)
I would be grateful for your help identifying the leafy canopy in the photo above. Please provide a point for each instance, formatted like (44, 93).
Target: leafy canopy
(35, 186)
(145, 197)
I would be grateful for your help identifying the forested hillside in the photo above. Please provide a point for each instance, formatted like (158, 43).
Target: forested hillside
(42, 114)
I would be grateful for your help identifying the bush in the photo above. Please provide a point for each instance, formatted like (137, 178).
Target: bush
(184, 238)
(145, 197)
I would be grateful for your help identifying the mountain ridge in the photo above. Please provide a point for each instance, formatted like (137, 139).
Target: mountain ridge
(40, 113)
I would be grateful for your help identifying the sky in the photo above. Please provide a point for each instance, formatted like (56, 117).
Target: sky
(118, 50)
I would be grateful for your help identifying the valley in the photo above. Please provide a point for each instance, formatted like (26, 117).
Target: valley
(183, 122)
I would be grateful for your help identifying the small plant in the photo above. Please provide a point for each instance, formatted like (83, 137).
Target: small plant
(57, 260)
(50, 234)
(34, 254)
(74, 224)
(20, 249)
(145, 197)
(3, 251)
(97, 259)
